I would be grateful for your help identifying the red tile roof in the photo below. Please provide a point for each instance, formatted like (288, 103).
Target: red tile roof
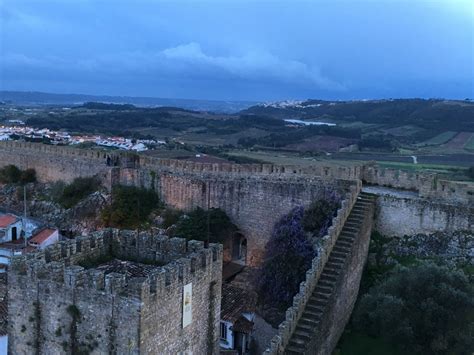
(236, 301)
(42, 236)
(6, 220)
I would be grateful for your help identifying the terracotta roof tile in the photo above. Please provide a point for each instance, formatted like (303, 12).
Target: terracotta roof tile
(235, 301)
(42, 236)
(6, 220)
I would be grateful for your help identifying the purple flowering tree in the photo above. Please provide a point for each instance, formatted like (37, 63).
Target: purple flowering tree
(289, 251)
(288, 257)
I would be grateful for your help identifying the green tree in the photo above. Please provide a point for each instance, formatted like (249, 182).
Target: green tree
(423, 309)
(318, 216)
(28, 176)
(10, 174)
(78, 190)
(130, 207)
(195, 225)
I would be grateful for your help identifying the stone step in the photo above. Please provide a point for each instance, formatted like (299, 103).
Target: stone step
(302, 334)
(295, 347)
(330, 271)
(326, 282)
(311, 320)
(360, 207)
(336, 259)
(352, 224)
(292, 350)
(349, 236)
(305, 328)
(351, 229)
(346, 239)
(367, 196)
(334, 265)
(339, 254)
(313, 312)
(320, 295)
(356, 219)
(297, 342)
(328, 277)
(322, 288)
(341, 248)
(321, 302)
(357, 214)
(343, 243)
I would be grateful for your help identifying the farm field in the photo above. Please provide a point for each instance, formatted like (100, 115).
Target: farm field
(459, 141)
(440, 138)
(470, 143)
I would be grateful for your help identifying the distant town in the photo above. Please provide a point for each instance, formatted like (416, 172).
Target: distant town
(17, 130)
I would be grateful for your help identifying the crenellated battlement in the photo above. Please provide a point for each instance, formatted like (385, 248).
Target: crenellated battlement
(51, 163)
(161, 262)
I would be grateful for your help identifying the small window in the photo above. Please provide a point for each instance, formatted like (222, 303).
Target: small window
(223, 331)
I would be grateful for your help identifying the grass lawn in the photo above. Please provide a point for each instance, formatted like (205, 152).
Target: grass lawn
(352, 343)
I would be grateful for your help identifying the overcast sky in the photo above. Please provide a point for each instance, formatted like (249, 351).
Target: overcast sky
(239, 50)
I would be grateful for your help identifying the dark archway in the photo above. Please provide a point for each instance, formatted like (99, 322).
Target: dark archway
(239, 249)
(14, 234)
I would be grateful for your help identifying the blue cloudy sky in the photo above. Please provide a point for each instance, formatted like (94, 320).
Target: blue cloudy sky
(239, 49)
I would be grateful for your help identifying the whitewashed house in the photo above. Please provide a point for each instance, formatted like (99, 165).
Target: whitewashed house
(44, 238)
(10, 228)
(237, 319)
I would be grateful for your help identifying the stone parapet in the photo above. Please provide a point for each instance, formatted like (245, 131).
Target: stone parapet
(323, 248)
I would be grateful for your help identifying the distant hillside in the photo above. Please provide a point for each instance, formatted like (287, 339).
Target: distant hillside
(41, 98)
(428, 114)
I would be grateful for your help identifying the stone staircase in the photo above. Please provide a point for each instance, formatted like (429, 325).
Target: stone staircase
(309, 322)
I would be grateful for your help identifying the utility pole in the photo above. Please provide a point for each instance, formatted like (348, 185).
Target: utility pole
(208, 214)
(23, 223)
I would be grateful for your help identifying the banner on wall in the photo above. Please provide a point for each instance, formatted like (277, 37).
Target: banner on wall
(187, 304)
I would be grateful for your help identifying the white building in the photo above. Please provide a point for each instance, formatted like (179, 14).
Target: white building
(237, 316)
(44, 238)
(10, 228)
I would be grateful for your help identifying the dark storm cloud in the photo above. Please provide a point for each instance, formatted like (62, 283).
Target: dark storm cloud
(259, 50)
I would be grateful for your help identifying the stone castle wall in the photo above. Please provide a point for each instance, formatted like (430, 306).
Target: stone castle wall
(324, 248)
(253, 195)
(56, 306)
(427, 185)
(346, 290)
(65, 163)
(253, 204)
(398, 216)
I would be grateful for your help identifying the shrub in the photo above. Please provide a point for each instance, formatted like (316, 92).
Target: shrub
(421, 309)
(318, 216)
(10, 174)
(170, 217)
(28, 176)
(130, 207)
(195, 225)
(470, 172)
(78, 190)
(288, 257)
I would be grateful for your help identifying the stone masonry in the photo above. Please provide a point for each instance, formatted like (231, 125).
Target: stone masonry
(115, 292)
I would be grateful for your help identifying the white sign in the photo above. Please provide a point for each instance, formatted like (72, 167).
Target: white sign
(187, 304)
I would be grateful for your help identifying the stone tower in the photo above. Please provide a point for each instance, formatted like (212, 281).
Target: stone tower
(116, 292)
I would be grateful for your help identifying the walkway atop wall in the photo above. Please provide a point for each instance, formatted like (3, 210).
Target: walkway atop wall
(317, 307)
